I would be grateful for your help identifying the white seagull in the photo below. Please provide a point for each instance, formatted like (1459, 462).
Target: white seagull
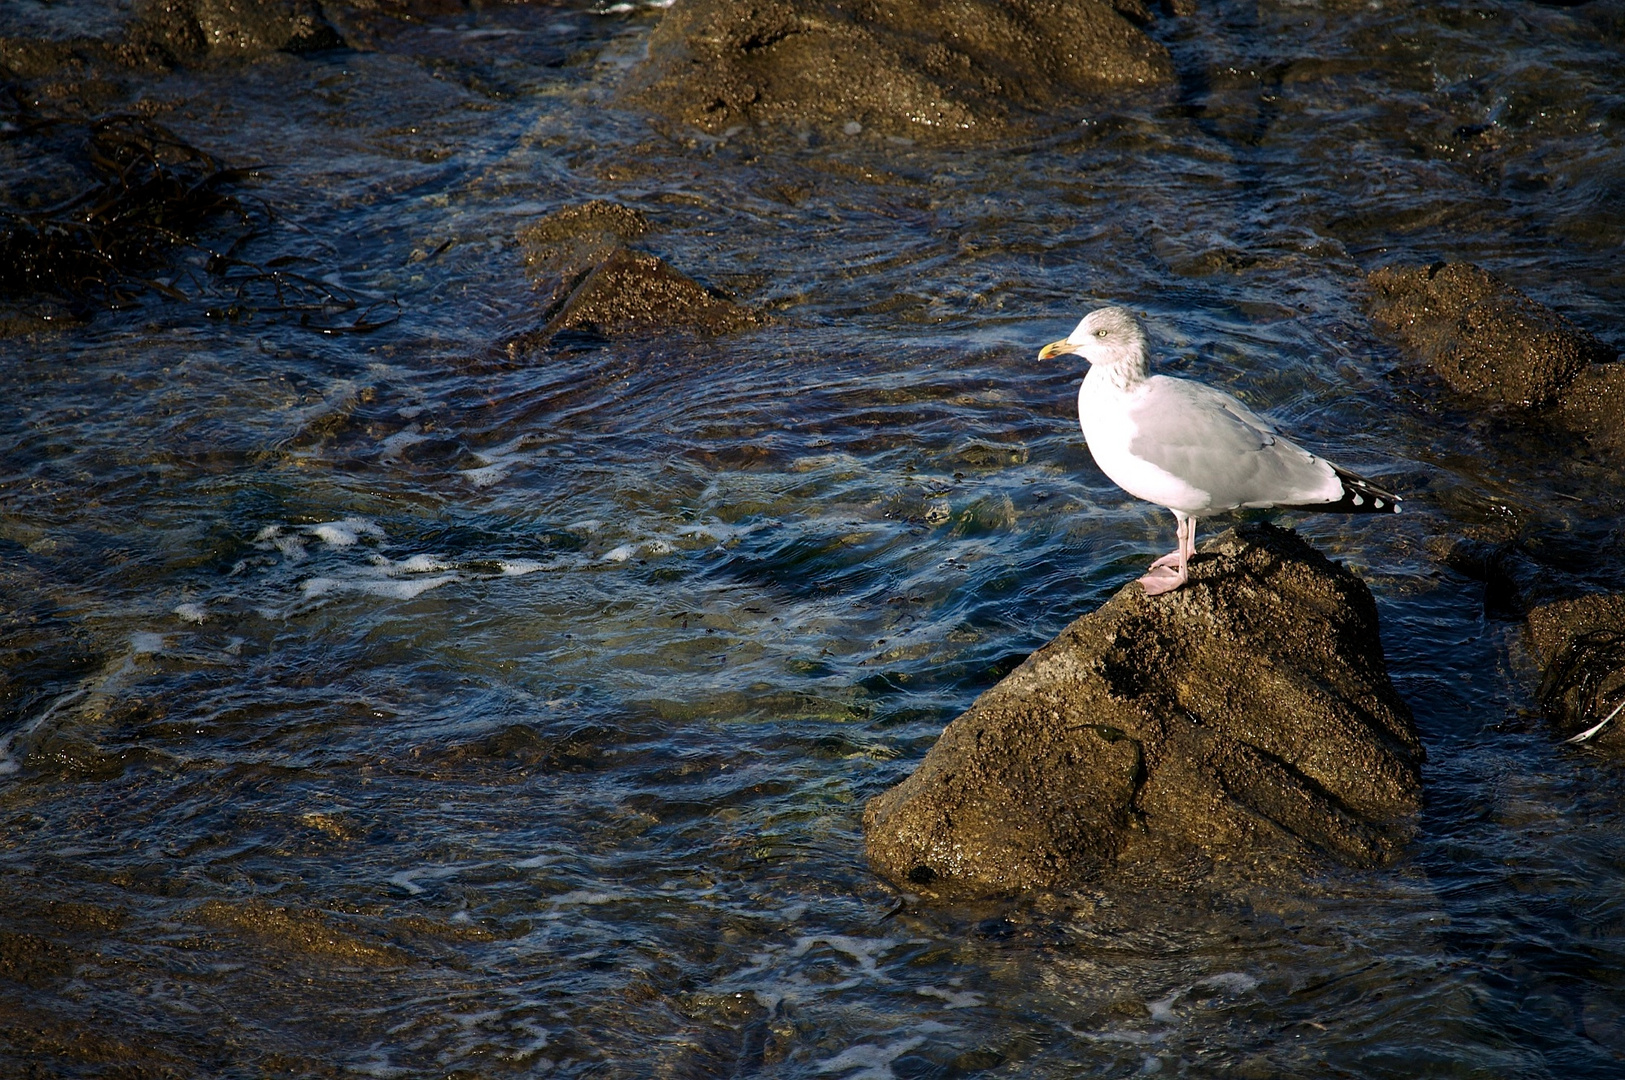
(1196, 450)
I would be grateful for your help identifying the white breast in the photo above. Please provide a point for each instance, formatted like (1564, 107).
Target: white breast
(1105, 412)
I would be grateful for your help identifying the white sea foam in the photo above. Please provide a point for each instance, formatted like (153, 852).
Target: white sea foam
(519, 567)
(1162, 1011)
(389, 450)
(1231, 982)
(583, 896)
(191, 613)
(874, 1061)
(342, 534)
(486, 475)
(145, 643)
(865, 951)
(536, 862)
(291, 547)
(956, 999)
(414, 564)
(404, 590)
(408, 879)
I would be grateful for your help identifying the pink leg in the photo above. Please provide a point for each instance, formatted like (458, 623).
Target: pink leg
(1173, 569)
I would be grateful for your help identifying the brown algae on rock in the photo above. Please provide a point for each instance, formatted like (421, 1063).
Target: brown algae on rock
(596, 284)
(1483, 337)
(918, 69)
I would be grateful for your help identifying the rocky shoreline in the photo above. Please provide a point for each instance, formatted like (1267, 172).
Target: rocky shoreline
(534, 531)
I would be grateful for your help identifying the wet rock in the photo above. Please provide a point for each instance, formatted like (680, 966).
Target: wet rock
(1515, 578)
(598, 285)
(65, 42)
(1580, 645)
(1594, 404)
(577, 237)
(189, 31)
(1483, 337)
(1243, 726)
(920, 69)
(296, 932)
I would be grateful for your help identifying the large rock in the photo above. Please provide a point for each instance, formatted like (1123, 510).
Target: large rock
(1480, 335)
(922, 69)
(1580, 645)
(1244, 724)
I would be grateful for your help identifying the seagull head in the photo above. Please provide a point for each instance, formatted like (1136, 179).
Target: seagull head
(1107, 337)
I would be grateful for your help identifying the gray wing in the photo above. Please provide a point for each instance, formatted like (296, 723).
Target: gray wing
(1218, 445)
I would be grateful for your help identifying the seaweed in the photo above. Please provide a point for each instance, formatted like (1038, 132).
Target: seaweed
(149, 196)
(1576, 688)
(315, 303)
(150, 192)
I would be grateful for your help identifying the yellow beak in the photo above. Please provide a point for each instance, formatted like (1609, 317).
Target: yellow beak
(1054, 348)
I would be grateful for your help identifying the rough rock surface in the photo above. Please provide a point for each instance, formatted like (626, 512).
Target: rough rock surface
(1244, 724)
(192, 30)
(1580, 644)
(1594, 404)
(922, 69)
(1483, 337)
(597, 284)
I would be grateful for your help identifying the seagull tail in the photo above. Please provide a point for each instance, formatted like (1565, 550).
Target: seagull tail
(1360, 496)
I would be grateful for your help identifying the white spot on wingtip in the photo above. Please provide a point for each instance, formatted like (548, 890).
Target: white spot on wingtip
(1359, 500)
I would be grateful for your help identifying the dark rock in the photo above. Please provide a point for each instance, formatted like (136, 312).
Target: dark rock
(1580, 645)
(1483, 337)
(1515, 579)
(1245, 722)
(189, 31)
(598, 285)
(921, 69)
(65, 42)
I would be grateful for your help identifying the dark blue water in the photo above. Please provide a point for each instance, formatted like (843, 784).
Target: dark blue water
(383, 704)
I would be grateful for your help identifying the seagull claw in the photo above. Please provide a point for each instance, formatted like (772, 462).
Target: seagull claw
(1163, 579)
(1170, 559)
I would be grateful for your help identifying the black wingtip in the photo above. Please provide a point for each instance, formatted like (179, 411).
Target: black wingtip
(1360, 496)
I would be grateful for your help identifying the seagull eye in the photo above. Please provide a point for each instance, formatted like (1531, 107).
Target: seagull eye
(1100, 333)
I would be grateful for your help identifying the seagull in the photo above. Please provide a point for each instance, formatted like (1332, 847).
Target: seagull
(1191, 448)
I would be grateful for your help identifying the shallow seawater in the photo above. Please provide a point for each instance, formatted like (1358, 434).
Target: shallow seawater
(391, 704)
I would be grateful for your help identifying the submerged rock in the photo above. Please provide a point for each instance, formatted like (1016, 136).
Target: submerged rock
(1244, 724)
(1516, 579)
(924, 69)
(1483, 337)
(1580, 645)
(597, 284)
